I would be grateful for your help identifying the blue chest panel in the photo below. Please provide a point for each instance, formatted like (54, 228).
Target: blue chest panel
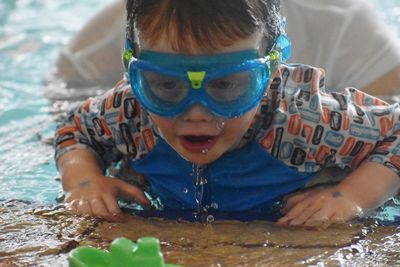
(245, 182)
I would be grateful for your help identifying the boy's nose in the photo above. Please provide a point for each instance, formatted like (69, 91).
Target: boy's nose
(197, 113)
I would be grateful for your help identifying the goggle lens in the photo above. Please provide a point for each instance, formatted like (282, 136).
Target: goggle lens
(225, 95)
(165, 88)
(232, 87)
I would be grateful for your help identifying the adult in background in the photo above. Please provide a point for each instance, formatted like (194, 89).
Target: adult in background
(350, 41)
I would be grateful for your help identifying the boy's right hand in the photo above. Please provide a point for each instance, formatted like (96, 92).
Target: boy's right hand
(98, 197)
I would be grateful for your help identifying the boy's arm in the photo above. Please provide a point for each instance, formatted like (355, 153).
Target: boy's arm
(371, 185)
(357, 132)
(368, 187)
(85, 144)
(88, 191)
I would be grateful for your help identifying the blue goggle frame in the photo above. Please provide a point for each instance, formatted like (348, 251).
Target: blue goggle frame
(197, 71)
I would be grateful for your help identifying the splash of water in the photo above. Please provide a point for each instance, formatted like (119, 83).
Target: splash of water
(220, 124)
(205, 151)
(199, 181)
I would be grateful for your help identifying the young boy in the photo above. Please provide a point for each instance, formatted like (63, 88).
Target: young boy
(221, 129)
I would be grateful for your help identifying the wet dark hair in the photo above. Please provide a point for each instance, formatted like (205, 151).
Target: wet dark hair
(204, 25)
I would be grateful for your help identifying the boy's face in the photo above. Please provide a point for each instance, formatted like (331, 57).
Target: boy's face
(198, 135)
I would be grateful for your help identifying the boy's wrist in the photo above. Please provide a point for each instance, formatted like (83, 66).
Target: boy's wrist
(350, 192)
(369, 185)
(70, 184)
(76, 167)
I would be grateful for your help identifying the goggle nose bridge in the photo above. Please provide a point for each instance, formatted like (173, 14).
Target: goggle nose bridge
(196, 78)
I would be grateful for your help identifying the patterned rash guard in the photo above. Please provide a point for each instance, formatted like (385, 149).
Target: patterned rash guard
(298, 130)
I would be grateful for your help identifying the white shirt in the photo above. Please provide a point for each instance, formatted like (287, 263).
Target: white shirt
(348, 38)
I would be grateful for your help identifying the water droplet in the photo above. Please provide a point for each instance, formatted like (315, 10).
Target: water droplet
(185, 190)
(201, 181)
(220, 124)
(214, 205)
(204, 151)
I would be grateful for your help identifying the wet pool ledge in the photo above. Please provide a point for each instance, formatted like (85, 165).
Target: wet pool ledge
(43, 236)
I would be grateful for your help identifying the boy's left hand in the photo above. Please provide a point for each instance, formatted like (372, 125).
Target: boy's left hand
(318, 208)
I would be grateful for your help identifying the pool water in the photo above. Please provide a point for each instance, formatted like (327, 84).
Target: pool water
(390, 9)
(31, 33)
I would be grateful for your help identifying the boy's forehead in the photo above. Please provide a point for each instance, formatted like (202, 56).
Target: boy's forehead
(166, 44)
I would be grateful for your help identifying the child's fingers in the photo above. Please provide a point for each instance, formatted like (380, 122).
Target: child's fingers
(305, 215)
(83, 207)
(112, 205)
(293, 213)
(335, 219)
(321, 219)
(328, 216)
(71, 204)
(293, 200)
(69, 200)
(129, 191)
(99, 208)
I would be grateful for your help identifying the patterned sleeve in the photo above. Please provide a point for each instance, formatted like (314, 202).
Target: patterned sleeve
(312, 129)
(105, 125)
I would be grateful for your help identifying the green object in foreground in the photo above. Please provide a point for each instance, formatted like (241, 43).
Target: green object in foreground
(123, 252)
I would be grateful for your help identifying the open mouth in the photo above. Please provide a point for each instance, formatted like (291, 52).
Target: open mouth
(198, 143)
(197, 139)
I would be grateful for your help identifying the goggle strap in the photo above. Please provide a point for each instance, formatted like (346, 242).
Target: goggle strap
(283, 43)
(274, 59)
(126, 57)
(128, 52)
(284, 46)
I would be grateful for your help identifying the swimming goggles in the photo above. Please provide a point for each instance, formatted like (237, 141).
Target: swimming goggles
(227, 84)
